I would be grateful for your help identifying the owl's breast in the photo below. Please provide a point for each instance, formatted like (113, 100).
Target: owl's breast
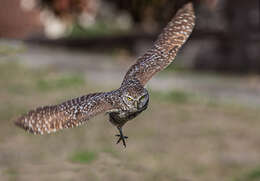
(121, 117)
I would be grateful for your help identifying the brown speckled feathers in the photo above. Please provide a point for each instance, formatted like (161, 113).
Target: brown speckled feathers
(165, 48)
(69, 114)
(77, 111)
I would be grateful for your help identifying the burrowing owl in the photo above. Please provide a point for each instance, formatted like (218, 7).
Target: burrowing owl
(124, 103)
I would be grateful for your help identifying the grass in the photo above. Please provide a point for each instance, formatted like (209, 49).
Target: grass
(185, 97)
(179, 137)
(19, 80)
(60, 82)
(175, 67)
(174, 96)
(96, 30)
(84, 157)
(178, 96)
(11, 174)
(6, 50)
(252, 175)
(110, 151)
(19, 85)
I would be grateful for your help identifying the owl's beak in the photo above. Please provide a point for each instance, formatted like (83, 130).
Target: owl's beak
(136, 104)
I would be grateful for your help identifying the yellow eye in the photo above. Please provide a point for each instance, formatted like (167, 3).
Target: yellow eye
(129, 98)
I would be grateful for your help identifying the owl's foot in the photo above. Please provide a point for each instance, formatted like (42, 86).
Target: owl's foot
(121, 137)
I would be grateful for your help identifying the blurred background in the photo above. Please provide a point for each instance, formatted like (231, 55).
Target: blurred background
(203, 121)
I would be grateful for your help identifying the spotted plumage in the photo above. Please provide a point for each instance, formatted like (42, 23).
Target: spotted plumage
(165, 48)
(124, 103)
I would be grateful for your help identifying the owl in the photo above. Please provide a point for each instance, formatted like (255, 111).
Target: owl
(126, 102)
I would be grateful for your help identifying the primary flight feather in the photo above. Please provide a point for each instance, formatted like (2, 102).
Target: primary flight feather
(124, 103)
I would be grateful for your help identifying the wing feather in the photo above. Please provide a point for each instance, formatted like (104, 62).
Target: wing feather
(68, 114)
(165, 48)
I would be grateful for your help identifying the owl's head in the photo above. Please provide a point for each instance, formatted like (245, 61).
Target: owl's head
(135, 96)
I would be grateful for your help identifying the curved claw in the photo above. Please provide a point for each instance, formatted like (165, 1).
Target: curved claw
(118, 135)
(121, 137)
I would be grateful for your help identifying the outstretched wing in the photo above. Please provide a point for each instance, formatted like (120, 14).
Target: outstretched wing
(69, 114)
(165, 48)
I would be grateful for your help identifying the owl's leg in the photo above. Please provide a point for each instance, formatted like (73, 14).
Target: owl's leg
(121, 136)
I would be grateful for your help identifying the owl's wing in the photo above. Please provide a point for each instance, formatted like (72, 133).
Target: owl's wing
(69, 114)
(165, 48)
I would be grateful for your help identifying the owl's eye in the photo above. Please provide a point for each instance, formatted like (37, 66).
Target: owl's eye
(129, 99)
(142, 98)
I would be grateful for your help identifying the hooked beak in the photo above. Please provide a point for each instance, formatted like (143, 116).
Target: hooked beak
(136, 104)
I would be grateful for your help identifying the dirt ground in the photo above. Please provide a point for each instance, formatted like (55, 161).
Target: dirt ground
(198, 127)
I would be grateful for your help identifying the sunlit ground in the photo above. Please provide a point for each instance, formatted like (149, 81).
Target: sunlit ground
(180, 137)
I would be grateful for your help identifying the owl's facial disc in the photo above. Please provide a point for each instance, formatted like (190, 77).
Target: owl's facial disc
(143, 101)
(135, 100)
(129, 101)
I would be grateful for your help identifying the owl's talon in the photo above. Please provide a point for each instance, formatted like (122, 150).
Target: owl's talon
(118, 135)
(121, 137)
